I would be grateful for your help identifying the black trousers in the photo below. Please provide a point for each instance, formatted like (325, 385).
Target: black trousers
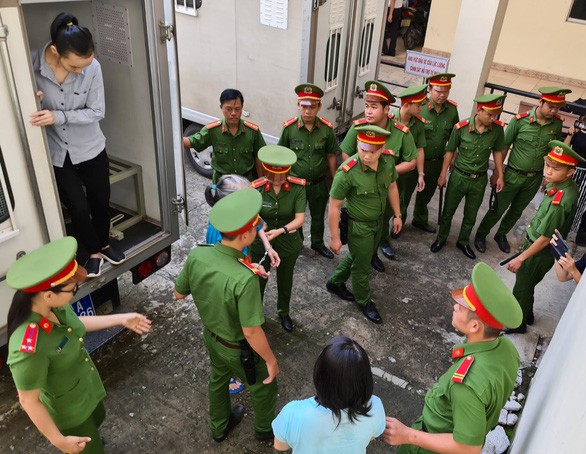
(392, 30)
(89, 209)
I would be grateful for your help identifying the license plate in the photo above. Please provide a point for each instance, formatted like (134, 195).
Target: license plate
(84, 306)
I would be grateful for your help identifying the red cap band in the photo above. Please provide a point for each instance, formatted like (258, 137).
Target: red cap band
(274, 169)
(441, 81)
(415, 98)
(371, 138)
(555, 98)
(374, 90)
(558, 155)
(62, 276)
(254, 222)
(493, 105)
(313, 95)
(476, 305)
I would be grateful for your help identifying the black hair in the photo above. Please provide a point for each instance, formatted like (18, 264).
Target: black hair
(489, 331)
(67, 36)
(227, 184)
(343, 379)
(230, 94)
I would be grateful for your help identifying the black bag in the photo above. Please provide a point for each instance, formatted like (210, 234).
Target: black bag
(344, 225)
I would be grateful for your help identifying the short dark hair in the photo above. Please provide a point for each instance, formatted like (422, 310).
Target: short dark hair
(67, 36)
(343, 379)
(489, 331)
(230, 94)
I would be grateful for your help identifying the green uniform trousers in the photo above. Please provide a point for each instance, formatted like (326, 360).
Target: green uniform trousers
(529, 275)
(459, 187)
(406, 184)
(317, 199)
(225, 363)
(284, 278)
(432, 170)
(89, 428)
(363, 240)
(412, 449)
(518, 192)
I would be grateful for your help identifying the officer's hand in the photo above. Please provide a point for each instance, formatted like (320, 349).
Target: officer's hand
(441, 181)
(493, 179)
(273, 370)
(186, 143)
(274, 257)
(261, 271)
(420, 183)
(335, 245)
(396, 433)
(274, 233)
(515, 264)
(500, 184)
(554, 238)
(72, 444)
(137, 323)
(397, 225)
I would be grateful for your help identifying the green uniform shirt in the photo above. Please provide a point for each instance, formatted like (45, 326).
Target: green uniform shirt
(550, 216)
(60, 367)
(416, 128)
(279, 210)
(474, 149)
(401, 145)
(225, 291)
(469, 410)
(366, 191)
(530, 139)
(311, 148)
(231, 154)
(438, 127)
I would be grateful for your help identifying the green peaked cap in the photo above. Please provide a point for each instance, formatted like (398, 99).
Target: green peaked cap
(234, 211)
(559, 149)
(277, 156)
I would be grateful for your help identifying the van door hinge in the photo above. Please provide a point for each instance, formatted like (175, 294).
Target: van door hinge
(167, 31)
(178, 204)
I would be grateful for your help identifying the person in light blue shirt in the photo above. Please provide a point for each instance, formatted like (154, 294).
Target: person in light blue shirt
(344, 415)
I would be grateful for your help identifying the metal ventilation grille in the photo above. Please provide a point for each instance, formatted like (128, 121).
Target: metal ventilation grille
(4, 213)
(112, 32)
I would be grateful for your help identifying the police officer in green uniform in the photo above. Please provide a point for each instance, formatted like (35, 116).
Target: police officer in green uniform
(465, 403)
(474, 139)
(412, 100)
(235, 142)
(226, 292)
(441, 115)
(399, 143)
(283, 210)
(556, 211)
(529, 134)
(313, 140)
(57, 382)
(366, 181)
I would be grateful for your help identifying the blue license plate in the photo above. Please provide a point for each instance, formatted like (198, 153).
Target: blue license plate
(84, 306)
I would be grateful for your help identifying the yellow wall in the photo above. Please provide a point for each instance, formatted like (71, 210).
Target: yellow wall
(535, 36)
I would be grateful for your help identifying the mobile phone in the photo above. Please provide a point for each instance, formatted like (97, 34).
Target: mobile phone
(561, 248)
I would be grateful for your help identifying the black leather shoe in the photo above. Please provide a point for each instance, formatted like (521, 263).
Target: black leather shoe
(467, 250)
(502, 242)
(371, 313)
(268, 435)
(377, 264)
(236, 416)
(480, 243)
(323, 251)
(340, 290)
(437, 245)
(387, 251)
(530, 319)
(520, 330)
(286, 323)
(113, 256)
(425, 227)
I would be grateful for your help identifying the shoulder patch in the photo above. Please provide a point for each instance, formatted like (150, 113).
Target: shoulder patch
(249, 266)
(359, 122)
(296, 180)
(391, 115)
(421, 119)
(457, 353)
(252, 126)
(402, 128)
(289, 122)
(463, 369)
(498, 122)
(522, 115)
(258, 182)
(389, 152)
(326, 122)
(346, 167)
(213, 124)
(560, 117)
(557, 198)
(29, 341)
(462, 124)
(452, 102)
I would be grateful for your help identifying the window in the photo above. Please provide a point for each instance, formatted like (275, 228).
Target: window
(188, 6)
(365, 46)
(578, 11)
(332, 58)
(7, 226)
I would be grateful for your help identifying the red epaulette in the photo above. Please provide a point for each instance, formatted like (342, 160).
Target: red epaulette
(462, 124)
(560, 117)
(249, 266)
(258, 182)
(457, 353)
(402, 128)
(296, 180)
(557, 198)
(421, 119)
(359, 122)
(498, 122)
(289, 122)
(522, 115)
(29, 341)
(452, 102)
(389, 152)
(346, 167)
(213, 124)
(326, 122)
(252, 126)
(463, 369)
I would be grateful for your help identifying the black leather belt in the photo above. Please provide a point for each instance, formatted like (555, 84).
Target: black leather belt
(316, 181)
(434, 159)
(424, 427)
(225, 343)
(471, 175)
(522, 172)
